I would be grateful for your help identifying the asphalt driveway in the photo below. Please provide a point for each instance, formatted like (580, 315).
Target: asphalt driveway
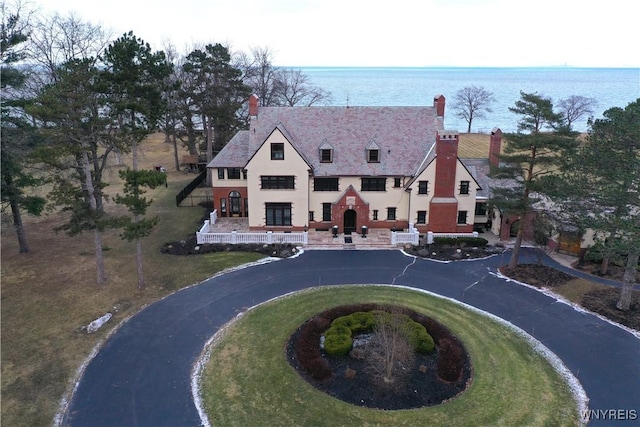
(141, 376)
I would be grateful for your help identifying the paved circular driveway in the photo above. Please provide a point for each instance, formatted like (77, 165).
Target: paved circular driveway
(141, 376)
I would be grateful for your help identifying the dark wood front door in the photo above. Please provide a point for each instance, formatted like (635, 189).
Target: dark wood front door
(234, 204)
(349, 221)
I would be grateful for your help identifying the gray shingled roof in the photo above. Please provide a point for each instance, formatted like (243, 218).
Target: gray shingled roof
(234, 154)
(480, 170)
(404, 135)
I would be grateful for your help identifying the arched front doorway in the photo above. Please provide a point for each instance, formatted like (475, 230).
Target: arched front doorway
(349, 221)
(234, 204)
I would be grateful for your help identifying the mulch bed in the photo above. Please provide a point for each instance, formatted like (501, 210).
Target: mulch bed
(537, 275)
(190, 246)
(601, 301)
(431, 379)
(452, 253)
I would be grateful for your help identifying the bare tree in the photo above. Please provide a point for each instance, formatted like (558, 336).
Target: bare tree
(294, 88)
(261, 75)
(472, 102)
(389, 354)
(277, 86)
(576, 107)
(58, 39)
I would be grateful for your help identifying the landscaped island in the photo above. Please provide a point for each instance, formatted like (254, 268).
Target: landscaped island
(248, 379)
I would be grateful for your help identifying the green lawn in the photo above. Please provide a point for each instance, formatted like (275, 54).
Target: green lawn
(247, 380)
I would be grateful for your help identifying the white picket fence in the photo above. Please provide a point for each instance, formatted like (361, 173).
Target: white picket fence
(234, 238)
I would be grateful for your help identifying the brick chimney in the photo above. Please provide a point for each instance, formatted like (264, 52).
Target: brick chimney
(253, 105)
(446, 162)
(438, 104)
(495, 146)
(443, 208)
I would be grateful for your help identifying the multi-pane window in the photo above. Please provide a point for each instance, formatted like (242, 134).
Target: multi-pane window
(233, 173)
(375, 214)
(326, 155)
(464, 187)
(326, 211)
(397, 182)
(373, 184)
(481, 209)
(277, 151)
(373, 156)
(277, 182)
(325, 184)
(423, 187)
(278, 213)
(391, 214)
(462, 217)
(311, 216)
(246, 206)
(220, 173)
(422, 217)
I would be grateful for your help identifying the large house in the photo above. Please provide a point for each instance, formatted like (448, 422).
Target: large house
(300, 168)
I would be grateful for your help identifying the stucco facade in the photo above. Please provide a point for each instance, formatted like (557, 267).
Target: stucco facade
(350, 167)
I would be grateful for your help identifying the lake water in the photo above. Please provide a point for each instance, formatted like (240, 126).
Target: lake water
(610, 87)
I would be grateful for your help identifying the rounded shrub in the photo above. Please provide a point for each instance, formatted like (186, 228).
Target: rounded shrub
(338, 330)
(418, 336)
(359, 322)
(338, 344)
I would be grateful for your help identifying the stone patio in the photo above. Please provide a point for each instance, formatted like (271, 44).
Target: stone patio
(377, 238)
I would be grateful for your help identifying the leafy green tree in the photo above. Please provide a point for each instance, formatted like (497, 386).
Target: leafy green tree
(598, 189)
(533, 152)
(17, 137)
(137, 227)
(471, 102)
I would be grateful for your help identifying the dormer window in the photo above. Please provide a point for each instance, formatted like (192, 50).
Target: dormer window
(277, 151)
(326, 155)
(373, 152)
(326, 152)
(373, 156)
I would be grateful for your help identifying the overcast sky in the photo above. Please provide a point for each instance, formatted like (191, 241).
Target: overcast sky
(395, 33)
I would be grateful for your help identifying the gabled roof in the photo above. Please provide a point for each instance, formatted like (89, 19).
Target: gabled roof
(289, 138)
(404, 136)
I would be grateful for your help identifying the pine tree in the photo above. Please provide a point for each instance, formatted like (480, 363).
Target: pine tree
(17, 137)
(598, 189)
(536, 150)
(134, 77)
